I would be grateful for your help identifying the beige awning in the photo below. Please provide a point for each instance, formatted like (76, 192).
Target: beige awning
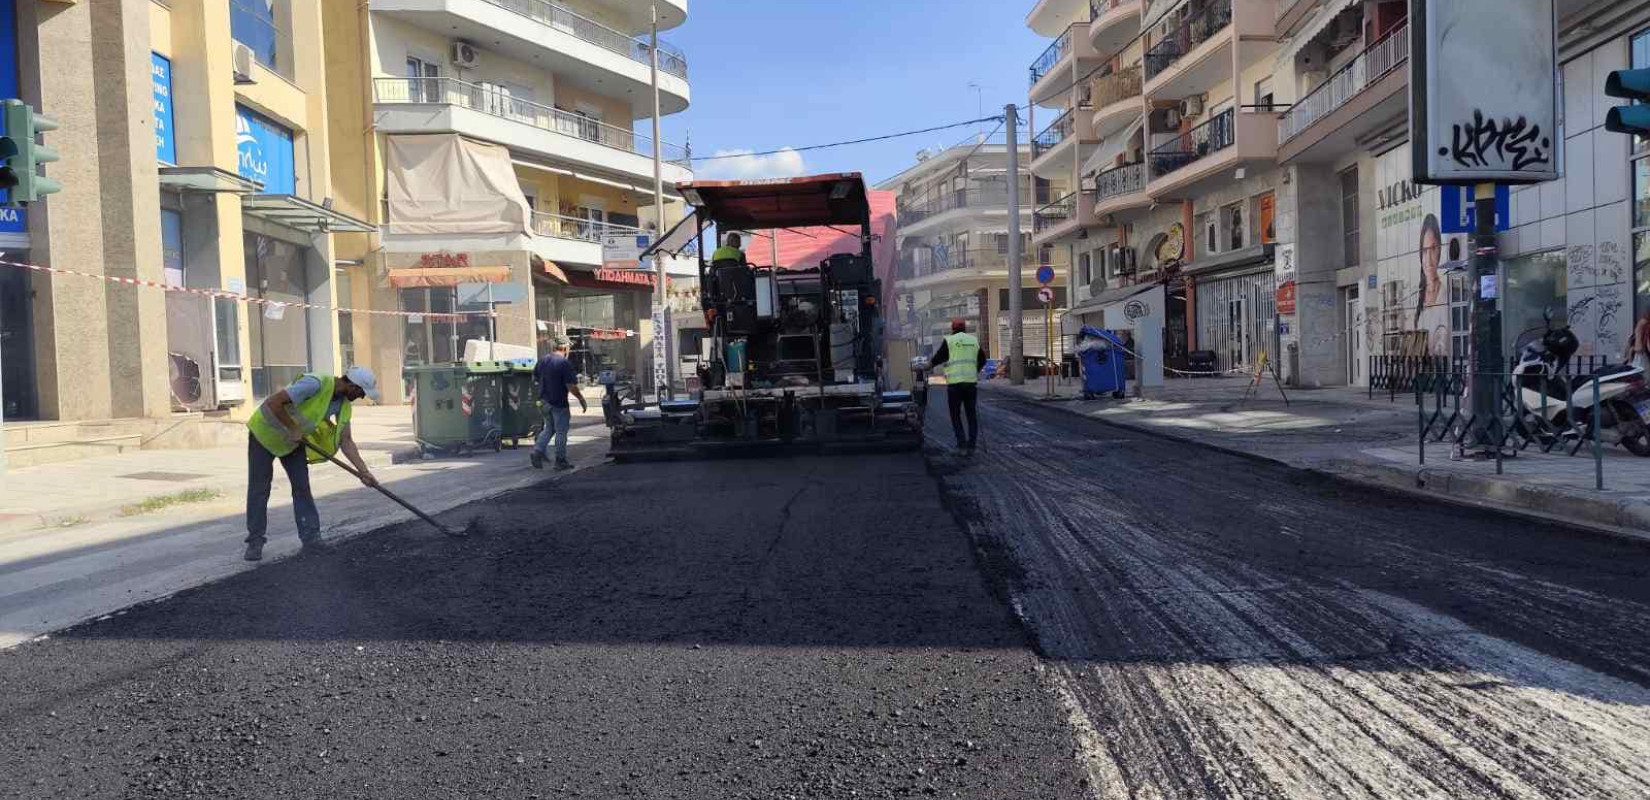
(445, 183)
(422, 277)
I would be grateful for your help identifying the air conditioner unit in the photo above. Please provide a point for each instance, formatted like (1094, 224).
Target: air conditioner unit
(1171, 120)
(241, 59)
(1193, 106)
(465, 55)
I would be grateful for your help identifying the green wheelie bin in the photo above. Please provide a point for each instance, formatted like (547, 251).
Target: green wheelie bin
(523, 413)
(458, 408)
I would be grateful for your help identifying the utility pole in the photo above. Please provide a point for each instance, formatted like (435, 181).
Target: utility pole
(662, 320)
(1486, 323)
(1016, 326)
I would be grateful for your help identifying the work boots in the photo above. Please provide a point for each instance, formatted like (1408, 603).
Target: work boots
(254, 551)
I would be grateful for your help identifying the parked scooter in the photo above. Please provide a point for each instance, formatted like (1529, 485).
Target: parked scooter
(1566, 402)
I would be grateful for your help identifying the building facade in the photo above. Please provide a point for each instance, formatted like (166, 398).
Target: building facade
(1250, 163)
(953, 244)
(492, 143)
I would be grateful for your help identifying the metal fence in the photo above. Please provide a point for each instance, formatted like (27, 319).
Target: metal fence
(1398, 375)
(1445, 414)
(1055, 213)
(1058, 131)
(1052, 56)
(555, 15)
(1386, 55)
(584, 230)
(1194, 29)
(499, 102)
(1211, 137)
(991, 197)
(1118, 181)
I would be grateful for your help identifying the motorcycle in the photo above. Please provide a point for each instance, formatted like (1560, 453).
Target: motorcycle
(1550, 398)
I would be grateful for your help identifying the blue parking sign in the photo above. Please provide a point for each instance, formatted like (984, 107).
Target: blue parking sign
(1457, 214)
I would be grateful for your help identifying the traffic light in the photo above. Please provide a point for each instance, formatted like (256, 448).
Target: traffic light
(20, 155)
(1631, 84)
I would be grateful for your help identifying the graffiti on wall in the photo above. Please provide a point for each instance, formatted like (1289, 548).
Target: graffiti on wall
(1510, 141)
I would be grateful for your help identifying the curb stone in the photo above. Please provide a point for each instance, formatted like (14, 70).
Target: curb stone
(1626, 519)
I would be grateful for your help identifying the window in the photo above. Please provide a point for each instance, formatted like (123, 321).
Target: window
(1085, 269)
(1237, 228)
(1349, 216)
(1263, 94)
(1267, 208)
(1206, 225)
(259, 25)
(1460, 318)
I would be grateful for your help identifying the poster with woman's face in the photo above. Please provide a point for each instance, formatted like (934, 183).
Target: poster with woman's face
(1412, 260)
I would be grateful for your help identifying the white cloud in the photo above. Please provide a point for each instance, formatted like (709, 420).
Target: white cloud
(786, 163)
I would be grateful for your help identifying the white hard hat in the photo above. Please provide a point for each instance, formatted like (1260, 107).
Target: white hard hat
(363, 377)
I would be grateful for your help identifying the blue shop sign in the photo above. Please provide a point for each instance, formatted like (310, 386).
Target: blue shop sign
(1458, 214)
(160, 83)
(264, 151)
(14, 220)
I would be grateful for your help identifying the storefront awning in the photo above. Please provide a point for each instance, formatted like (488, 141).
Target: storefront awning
(205, 179)
(299, 214)
(423, 277)
(614, 280)
(1111, 297)
(1248, 259)
(552, 269)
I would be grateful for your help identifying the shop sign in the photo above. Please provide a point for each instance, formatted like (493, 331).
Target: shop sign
(264, 152)
(628, 276)
(661, 358)
(1134, 309)
(624, 251)
(1285, 297)
(160, 85)
(14, 220)
(1285, 258)
(444, 260)
(1173, 244)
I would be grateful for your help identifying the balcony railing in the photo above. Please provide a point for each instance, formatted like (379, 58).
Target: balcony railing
(497, 101)
(1187, 148)
(951, 201)
(583, 230)
(1200, 22)
(940, 261)
(555, 15)
(1055, 213)
(1119, 181)
(1055, 52)
(1118, 86)
(1370, 66)
(1051, 137)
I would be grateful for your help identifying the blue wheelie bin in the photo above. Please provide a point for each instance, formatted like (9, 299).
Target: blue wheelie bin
(1104, 362)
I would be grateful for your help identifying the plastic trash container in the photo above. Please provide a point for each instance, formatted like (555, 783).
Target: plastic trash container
(458, 408)
(522, 414)
(1103, 361)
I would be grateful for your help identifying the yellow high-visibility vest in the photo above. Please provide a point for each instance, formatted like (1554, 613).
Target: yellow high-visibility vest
(312, 415)
(963, 366)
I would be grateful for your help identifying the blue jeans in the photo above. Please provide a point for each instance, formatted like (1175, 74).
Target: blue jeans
(260, 472)
(556, 423)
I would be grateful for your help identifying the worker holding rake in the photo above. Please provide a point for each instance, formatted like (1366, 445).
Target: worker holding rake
(303, 423)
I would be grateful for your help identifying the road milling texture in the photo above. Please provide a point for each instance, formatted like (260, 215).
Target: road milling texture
(809, 627)
(1225, 627)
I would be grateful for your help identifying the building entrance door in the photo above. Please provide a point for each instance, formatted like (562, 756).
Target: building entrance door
(17, 389)
(1356, 346)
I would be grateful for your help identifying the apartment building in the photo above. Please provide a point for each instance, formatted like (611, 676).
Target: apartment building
(1250, 187)
(953, 244)
(194, 156)
(492, 144)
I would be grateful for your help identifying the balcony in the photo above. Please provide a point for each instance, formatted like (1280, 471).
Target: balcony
(1052, 150)
(1366, 94)
(1050, 17)
(1180, 166)
(1121, 189)
(924, 269)
(951, 208)
(429, 105)
(571, 240)
(1061, 219)
(1051, 73)
(1117, 100)
(1289, 15)
(548, 34)
(1113, 23)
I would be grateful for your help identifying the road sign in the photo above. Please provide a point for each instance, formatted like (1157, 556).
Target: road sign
(1045, 294)
(1045, 274)
(1457, 214)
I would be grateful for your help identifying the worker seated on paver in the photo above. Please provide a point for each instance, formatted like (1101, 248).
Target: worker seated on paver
(729, 253)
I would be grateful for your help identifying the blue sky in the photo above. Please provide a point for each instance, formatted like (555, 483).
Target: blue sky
(768, 74)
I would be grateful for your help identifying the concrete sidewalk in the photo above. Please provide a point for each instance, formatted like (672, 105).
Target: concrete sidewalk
(73, 546)
(1343, 432)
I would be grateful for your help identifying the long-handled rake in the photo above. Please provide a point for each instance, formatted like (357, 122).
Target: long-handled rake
(458, 533)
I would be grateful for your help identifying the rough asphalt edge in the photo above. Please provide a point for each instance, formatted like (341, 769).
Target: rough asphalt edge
(1003, 577)
(335, 536)
(1627, 520)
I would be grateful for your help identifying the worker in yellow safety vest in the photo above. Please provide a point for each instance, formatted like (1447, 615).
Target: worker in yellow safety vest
(729, 251)
(315, 410)
(961, 359)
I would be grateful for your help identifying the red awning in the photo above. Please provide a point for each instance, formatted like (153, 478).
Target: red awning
(614, 280)
(834, 199)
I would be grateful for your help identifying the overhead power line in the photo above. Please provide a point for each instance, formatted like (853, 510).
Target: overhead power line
(719, 157)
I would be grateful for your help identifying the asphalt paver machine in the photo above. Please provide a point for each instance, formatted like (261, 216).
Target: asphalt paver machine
(793, 356)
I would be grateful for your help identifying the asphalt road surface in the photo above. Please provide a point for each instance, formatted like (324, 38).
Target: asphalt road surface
(1231, 628)
(729, 629)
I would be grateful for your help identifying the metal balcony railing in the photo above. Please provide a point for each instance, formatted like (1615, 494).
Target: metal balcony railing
(583, 230)
(1051, 137)
(951, 201)
(497, 101)
(1200, 20)
(923, 263)
(1119, 181)
(555, 15)
(1117, 86)
(1055, 213)
(1055, 52)
(1187, 148)
(1371, 65)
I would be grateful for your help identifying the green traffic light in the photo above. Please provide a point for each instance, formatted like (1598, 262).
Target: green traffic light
(21, 168)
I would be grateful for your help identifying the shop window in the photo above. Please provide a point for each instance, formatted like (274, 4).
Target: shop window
(1533, 284)
(1210, 233)
(1236, 222)
(1267, 208)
